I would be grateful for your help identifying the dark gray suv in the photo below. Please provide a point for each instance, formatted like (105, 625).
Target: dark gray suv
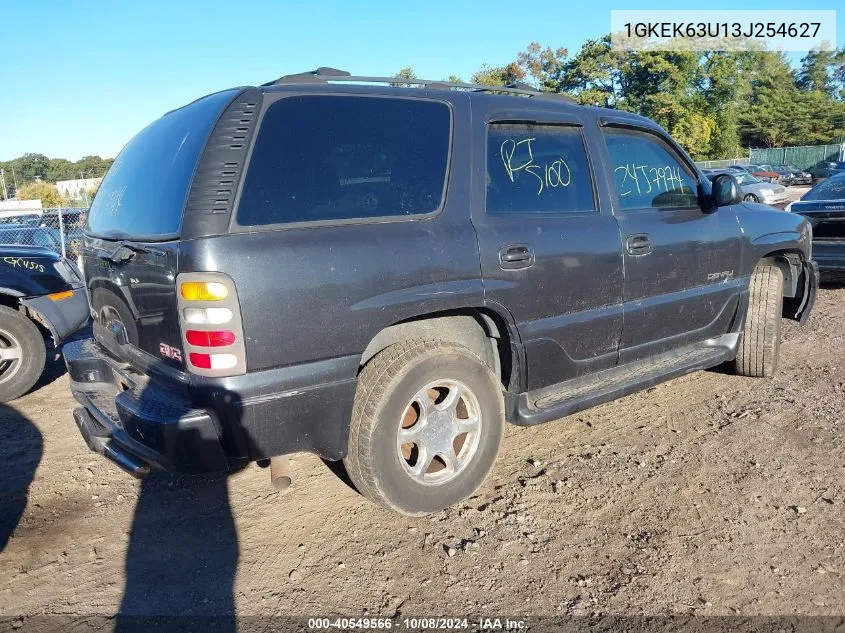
(385, 275)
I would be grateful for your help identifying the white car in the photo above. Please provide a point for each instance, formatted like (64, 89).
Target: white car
(752, 188)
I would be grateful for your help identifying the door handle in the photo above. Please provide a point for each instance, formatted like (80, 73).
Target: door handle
(515, 256)
(638, 244)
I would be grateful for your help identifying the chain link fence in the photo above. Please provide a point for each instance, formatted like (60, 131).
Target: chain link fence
(57, 229)
(718, 164)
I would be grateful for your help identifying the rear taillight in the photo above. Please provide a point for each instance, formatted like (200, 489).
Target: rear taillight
(212, 332)
(206, 316)
(213, 361)
(213, 338)
(203, 291)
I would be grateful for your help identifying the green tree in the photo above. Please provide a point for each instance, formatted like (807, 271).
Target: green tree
(543, 66)
(31, 167)
(594, 75)
(818, 69)
(406, 74)
(91, 167)
(769, 119)
(46, 192)
(501, 76)
(59, 169)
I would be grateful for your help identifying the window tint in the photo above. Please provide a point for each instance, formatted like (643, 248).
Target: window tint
(648, 173)
(830, 189)
(144, 191)
(537, 169)
(336, 158)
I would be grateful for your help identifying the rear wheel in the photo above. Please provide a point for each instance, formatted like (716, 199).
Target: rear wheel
(750, 197)
(426, 426)
(759, 345)
(22, 354)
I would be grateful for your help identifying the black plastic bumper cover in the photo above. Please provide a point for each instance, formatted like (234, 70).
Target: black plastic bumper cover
(134, 422)
(209, 425)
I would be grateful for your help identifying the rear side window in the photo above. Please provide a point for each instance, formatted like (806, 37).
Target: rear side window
(648, 173)
(328, 158)
(537, 169)
(143, 194)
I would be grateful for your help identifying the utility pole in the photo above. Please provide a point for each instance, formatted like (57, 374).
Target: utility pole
(3, 180)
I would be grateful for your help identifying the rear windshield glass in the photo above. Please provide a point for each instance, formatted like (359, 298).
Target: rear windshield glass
(325, 158)
(143, 194)
(831, 189)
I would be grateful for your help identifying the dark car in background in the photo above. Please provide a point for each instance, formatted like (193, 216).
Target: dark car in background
(794, 176)
(42, 299)
(824, 208)
(762, 172)
(826, 169)
(784, 175)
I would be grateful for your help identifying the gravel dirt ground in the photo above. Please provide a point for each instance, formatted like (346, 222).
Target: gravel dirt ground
(710, 494)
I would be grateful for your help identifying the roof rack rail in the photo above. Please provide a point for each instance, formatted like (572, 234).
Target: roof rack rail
(325, 74)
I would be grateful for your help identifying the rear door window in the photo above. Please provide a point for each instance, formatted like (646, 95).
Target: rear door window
(144, 191)
(537, 169)
(330, 158)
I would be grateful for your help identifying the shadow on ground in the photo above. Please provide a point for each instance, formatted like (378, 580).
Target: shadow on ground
(21, 448)
(182, 554)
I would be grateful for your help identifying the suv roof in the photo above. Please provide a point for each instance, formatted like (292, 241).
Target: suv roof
(325, 74)
(326, 79)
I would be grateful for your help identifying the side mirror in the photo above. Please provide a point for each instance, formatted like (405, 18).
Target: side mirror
(725, 190)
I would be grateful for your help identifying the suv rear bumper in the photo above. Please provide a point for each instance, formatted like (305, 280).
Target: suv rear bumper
(139, 421)
(136, 423)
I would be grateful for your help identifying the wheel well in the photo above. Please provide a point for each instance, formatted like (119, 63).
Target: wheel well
(9, 301)
(791, 264)
(481, 330)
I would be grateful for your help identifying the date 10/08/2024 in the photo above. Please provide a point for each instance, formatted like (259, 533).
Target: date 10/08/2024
(418, 624)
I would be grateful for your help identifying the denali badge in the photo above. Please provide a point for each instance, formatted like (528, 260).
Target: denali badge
(169, 352)
(722, 276)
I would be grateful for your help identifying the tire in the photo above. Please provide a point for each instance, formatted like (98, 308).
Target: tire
(750, 197)
(459, 389)
(759, 344)
(22, 351)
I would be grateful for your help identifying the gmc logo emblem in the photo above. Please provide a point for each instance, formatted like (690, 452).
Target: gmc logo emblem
(169, 352)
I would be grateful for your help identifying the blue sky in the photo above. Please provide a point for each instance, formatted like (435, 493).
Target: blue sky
(82, 77)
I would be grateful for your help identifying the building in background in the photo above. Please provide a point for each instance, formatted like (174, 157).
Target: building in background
(77, 189)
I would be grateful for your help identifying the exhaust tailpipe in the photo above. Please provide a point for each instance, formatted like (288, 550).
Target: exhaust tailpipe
(280, 472)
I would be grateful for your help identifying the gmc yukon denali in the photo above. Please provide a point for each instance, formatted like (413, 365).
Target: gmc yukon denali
(385, 275)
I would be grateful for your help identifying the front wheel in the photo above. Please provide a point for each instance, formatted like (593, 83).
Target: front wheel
(750, 197)
(426, 426)
(759, 345)
(22, 354)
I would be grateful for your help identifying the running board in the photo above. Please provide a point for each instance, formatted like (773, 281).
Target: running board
(566, 398)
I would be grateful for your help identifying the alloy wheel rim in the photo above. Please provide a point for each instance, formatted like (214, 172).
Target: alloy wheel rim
(439, 432)
(11, 355)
